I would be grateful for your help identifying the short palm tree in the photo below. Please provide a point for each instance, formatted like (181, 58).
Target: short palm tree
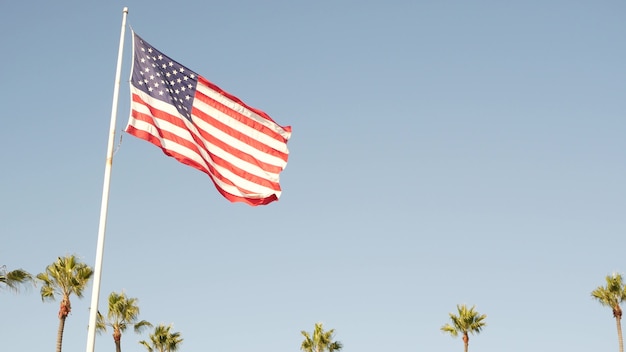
(66, 276)
(123, 312)
(611, 296)
(12, 279)
(320, 341)
(163, 340)
(468, 321)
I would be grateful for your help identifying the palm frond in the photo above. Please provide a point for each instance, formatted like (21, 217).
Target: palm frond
(101, 325)
(467, 320)
(163, 339)
(14, 278)
(142, 325)
(320, 340)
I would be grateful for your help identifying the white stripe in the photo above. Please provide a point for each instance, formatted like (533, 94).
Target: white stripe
(232, 141)
(213, 149)
(257, 190)
(175, 147)
(168, 143)
(224, 118)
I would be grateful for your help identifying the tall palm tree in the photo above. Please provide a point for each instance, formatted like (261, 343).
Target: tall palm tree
(12, 279)
(468, 321)
(123, 311)
(163, 340)
(320, 341)
(66, 276)
(611, 296)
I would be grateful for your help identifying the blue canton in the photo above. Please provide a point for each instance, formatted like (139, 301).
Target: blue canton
(163, 78)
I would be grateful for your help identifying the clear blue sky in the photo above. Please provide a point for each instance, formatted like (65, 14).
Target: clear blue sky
(443, 152)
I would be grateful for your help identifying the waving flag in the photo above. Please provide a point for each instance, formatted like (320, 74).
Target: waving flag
(194, 121)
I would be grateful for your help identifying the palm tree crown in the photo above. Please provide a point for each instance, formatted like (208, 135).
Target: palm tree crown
(123, 311)
(320, 341)
(66, 276)
(468, 321)
(163, 340)
(612, 295)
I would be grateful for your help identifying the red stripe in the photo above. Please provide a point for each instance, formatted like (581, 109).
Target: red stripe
(194, 145)
(231, 197)
(244, 120)
(209, 170)
(210, 85)
(229, 148)
(198, 144)
(156, 141)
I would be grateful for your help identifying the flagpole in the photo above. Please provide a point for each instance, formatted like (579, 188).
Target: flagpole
(93, 310)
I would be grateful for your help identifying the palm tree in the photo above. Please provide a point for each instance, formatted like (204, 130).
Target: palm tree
(12, 279)
(66, 276)
(611, 296)
(469, 321)
(321, 340)
(163, 340)
(123, 311)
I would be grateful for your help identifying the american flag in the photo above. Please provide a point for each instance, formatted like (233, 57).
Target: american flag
(191, 119)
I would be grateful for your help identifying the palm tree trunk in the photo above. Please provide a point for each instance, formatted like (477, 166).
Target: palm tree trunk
(619, 333)
(60, 333)
(466, 341)
(64, 310)
(117, 338)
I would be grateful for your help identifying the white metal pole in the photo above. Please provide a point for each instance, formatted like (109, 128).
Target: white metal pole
(93, 310)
